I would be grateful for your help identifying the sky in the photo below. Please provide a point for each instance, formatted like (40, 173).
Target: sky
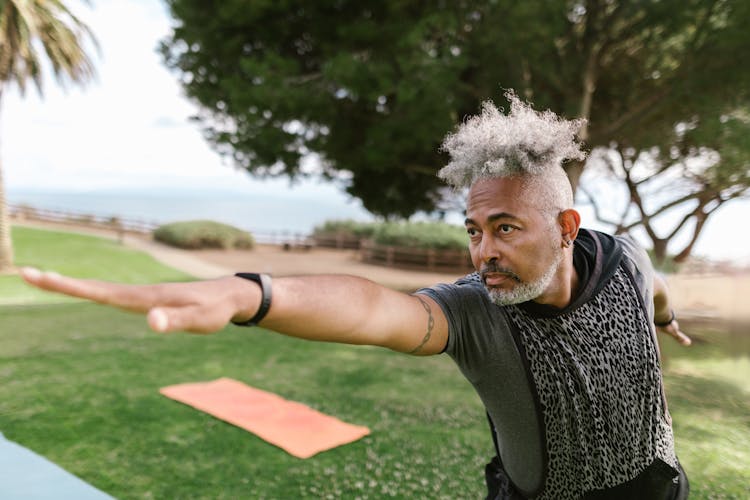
(129, 129)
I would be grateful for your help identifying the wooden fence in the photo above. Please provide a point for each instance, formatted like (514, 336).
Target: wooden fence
(286, 239)
(340, 241)
(423, 258)
(117, 224)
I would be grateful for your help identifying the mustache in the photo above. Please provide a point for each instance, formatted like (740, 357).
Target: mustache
(493, 268)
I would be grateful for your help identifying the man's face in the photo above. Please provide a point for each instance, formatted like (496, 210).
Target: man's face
(513, 244)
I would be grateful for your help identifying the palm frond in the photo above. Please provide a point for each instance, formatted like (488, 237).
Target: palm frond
(32, 27)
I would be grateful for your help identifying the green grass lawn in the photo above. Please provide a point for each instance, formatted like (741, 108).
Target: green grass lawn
(708, 390)
(81, 389)
(80, 386)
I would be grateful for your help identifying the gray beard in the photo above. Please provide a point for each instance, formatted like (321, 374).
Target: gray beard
(524, 292)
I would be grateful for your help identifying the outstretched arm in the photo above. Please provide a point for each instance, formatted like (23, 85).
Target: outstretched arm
(331, 308)
(664, 314)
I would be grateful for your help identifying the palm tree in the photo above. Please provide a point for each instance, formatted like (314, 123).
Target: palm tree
(28, 27)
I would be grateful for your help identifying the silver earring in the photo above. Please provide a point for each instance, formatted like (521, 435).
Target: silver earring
(567, 243)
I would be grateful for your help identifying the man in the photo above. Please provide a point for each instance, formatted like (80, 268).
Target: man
(555, 330)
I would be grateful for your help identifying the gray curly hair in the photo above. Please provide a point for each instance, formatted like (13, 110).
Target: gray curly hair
(524, 143)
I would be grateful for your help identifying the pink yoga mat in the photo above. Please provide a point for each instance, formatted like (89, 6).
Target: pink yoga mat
(293, 427)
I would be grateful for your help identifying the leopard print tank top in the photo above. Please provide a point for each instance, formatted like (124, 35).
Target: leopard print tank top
(599, 384)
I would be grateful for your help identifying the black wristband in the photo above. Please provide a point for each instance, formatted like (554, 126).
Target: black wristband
(264, 280)
(666, 323)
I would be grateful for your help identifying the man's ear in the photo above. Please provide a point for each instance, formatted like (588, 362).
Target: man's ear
(570, 222)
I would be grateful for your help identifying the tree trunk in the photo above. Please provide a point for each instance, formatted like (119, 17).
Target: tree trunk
(6, 246)
(700, 221)
(660, 252)
(575, 168)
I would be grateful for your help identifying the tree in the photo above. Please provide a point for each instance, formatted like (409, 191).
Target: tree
(25, 27)
(371, 87)
(688, 177)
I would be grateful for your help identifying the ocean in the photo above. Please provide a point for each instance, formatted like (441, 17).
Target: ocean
(257, 213)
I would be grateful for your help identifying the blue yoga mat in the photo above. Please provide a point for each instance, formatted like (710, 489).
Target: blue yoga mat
(24, 475)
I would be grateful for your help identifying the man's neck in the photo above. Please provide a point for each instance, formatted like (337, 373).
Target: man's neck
(564, 286)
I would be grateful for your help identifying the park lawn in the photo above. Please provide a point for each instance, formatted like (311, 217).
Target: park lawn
(708, 390)
(81, 388)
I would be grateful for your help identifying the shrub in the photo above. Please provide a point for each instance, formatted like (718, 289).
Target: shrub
(437, 235)
(203, 234)
(347, 227)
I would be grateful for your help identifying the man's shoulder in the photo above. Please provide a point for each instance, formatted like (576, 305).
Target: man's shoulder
(615, 245)
(635, 252)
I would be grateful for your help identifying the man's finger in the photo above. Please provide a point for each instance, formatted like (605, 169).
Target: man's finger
(188, 318)
(673, 329)
(130, 297)
(54, 282)
(158, 320)
(682, 338)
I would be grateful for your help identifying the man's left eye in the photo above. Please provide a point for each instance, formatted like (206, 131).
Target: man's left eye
(505, 228)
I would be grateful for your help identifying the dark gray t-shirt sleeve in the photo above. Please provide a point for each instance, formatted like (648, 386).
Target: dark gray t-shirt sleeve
(465, 306)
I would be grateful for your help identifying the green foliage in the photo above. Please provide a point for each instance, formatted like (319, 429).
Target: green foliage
(372, 87)
(674, 188)
(726, 131)
(28, 26)
(203, 234)
(437, 235)
(345, 227)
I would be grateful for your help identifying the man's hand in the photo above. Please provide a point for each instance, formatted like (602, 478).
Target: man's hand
(662, 309)
(198, 307)
(673, 329)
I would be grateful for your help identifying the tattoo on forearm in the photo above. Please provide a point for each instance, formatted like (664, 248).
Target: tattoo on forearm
(430, 325)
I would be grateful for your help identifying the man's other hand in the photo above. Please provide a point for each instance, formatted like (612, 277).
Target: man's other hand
(673, 329)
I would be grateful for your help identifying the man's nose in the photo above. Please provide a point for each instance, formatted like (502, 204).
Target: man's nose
(488, 249)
